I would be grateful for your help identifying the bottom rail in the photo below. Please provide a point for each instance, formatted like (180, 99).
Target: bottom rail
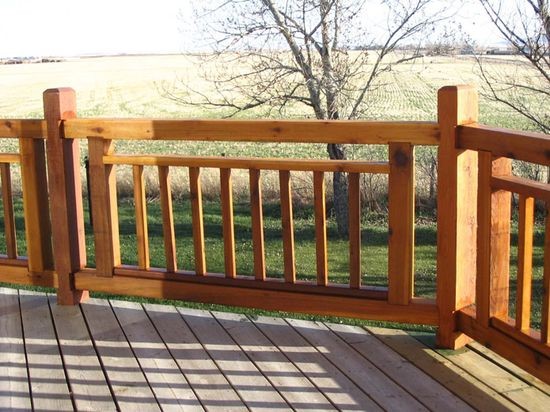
(419, 311)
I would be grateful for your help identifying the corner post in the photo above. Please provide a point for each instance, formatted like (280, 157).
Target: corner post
(456, 213)
(65, 188)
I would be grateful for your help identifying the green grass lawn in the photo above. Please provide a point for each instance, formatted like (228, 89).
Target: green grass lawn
(374, 247)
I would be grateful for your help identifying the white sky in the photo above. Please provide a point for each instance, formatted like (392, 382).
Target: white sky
(79, 27)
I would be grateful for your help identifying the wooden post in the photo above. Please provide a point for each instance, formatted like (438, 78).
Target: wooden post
(65, 189)
(456, 213)
(36, 206)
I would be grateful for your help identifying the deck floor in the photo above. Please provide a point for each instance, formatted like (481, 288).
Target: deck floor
(116, 355)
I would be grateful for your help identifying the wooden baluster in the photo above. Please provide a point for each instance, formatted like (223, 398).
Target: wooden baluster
(36, 205)
(228, 225)
(456, 213)
(65, 189)
(320, 228)
(354, 231)
(525, 262)
(167, 219)
(9, 218)
(545, 312)
(401, 224)
(198, 223)
(142, 231)
(257, 224)
(104, 207)
(493, 242)
(287, 221)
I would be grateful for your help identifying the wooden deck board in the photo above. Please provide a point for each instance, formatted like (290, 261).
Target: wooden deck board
(14, 385)
(49, 389)
(88, 384)
(112, 355)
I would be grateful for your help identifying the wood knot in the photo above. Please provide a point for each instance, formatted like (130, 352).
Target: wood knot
(400, 158)
(8, 124)
(98, 130)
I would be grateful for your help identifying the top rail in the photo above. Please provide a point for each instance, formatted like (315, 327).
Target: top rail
(527, 146)
(287, 131)
(29, 128)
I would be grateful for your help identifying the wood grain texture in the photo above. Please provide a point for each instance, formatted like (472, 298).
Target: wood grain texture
(525, 262)
(401, 224)
(228, 227)
(354, 231)
(65, 189)
(321, 252)
(522, 186)
(142, 230)
(515, 144)
(298, 131)
(218, 162)
(545, 310)
(197, 219)
(23, 128)
(104, 207)
(36, 206)
(257, 219)
(168, 230)
(9, 217)
(457, 212)
(287, 223)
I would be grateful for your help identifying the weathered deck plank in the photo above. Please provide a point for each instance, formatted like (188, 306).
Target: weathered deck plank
(89, 386)
(49, 389)
(127, 381)
(253, 388)
(14, 385)
(210, 385)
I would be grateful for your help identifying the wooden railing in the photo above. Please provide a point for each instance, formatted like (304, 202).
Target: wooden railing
(473, 211)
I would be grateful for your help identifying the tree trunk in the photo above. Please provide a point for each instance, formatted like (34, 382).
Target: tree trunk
(340, 191)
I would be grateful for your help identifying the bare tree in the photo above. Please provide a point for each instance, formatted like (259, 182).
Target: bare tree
(525, 25)
(324, 55)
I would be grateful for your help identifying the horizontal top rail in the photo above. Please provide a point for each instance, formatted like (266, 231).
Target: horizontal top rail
(10, 158)
(287, 131)
(527, 146)
(30, 128)
(350, 166)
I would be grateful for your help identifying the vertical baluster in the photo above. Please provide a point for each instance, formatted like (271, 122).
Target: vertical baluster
(354, 231)
(198, 224)
(401, 224)
(9, 219)
(167, 219)
(257, 224)
(320, 228)
(287, 226)
(142, 232)
(228, 225)
(525, 262)
(545, 315)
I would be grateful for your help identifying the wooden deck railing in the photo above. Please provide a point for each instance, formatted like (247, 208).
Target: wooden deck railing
(473, 218)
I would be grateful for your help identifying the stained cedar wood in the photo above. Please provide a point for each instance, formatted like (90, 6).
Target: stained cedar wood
(9, 217)
(228, 227)
(11, 157)
(167, 219)
(297, 131)
(251, 163)
(142, 231)
(23, 128)
(65, 189)
(256, 212)
(104, 207)
(197, 219)
(530, 338)
(545, 312)
(36, 206)
(457, 215)
(527, 146)
(320, 228)
(526, 187)
(354, 231)
(304, 302)
(525, 262)
(401, 224)
(287, 223)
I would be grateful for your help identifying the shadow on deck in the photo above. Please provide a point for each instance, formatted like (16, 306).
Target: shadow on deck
(117, 355)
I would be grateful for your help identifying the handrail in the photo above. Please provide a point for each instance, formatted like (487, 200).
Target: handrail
(27, 128)
(283, 131)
